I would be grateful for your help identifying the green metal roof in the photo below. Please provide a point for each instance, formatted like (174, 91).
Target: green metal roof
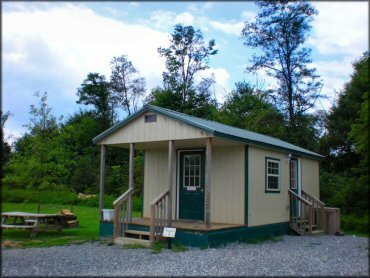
(217, 130)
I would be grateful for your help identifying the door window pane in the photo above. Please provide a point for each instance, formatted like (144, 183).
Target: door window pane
(191, 170)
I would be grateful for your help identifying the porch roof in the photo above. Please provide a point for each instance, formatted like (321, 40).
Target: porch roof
(216, 129)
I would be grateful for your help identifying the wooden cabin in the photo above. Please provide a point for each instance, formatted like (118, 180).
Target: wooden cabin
(214, 183)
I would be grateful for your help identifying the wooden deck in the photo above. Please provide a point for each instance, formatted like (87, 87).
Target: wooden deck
(188, 224)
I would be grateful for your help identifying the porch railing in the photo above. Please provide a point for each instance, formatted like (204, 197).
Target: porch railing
(300, 213)
(158, 216)
(121, 213)
(317, 210)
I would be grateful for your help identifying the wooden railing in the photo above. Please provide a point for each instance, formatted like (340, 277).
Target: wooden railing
(300, 213)
(158, 216)
(121, 213)
(317, 210)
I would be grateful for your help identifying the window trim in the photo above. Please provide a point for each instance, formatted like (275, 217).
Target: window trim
(194, 187)
(275, 160)
(290, 173)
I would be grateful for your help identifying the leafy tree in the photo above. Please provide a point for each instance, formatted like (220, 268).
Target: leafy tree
(344, 177)
(186, 56)
(127, 87)
(183, 88)
(248, 108)
(5, 147)
(345, 113)
(95, 91)
(279, 32)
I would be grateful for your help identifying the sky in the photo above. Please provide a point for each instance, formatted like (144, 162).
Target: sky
(52, 46)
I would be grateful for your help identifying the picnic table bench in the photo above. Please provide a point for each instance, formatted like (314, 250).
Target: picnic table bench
(37, 222)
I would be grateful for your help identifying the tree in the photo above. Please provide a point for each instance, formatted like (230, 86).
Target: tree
(345, 117)
(248, 108)
(186, 56)
(184, 89)
(128, 90)
(5, 147)
(279, 32)
(95, 91)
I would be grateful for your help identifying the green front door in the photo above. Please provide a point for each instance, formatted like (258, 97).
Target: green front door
(191, 183)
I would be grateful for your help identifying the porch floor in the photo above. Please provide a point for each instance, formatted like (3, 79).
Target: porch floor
(188, 224)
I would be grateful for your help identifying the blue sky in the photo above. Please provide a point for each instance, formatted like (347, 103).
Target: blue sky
(52, 46)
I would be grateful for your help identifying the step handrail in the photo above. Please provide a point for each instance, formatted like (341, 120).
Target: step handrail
(158, 216)
(300, 198)
(313, 198)
(121, 212)
(124, 196)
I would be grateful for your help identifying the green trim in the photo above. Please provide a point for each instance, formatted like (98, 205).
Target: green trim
(142, 189)
(204, 239)
(173, 115)
(279, 182)
(246, 177)
(258, 143)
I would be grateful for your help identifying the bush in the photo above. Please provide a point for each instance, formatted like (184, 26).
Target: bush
(61, 197)
(354, 223)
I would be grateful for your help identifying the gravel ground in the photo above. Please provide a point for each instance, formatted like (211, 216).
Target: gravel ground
(293, 255)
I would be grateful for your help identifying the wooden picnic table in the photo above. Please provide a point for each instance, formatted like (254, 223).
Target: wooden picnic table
(35, 222)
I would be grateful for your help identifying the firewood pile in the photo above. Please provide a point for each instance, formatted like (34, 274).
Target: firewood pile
(69, 219)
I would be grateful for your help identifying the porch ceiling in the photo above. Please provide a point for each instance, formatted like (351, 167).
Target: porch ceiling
(178, 144)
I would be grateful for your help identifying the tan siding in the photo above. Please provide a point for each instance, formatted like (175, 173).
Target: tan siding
(267, 208)
(228, 185)
(163, 129)
(155, 177)
(310, 176)
(227, 193)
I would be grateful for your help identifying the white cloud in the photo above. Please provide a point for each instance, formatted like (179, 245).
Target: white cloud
(222, 85)
(69, 41)
(164, 20)
(248, 15)
(340, 28)
(231, 27)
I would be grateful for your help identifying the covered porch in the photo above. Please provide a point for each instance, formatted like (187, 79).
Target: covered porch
(163, 209)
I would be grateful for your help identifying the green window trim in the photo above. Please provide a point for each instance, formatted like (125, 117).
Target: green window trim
(275, 160)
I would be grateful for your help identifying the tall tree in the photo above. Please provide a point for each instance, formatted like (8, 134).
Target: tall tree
(128, 88)
(279, 31)
(95, 91)
(184, 89)
(249, 108)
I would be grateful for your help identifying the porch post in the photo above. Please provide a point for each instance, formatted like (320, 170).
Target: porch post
(170, 182)
(102, 180)
(131, 180)
(208, 184)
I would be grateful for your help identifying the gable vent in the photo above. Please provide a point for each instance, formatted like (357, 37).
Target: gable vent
(150, 118)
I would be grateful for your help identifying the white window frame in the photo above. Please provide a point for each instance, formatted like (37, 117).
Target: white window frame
(267, 189)
(194, 187)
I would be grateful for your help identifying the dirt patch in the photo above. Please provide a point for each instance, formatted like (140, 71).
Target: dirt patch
(10, 243)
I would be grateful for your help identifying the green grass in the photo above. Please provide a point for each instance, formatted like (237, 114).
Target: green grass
(158, 247)
(88, 230)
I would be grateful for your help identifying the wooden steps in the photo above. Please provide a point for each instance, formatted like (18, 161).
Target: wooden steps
(317, 232)
(131, 241)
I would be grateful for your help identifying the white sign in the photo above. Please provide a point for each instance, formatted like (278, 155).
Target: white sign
(169, 232)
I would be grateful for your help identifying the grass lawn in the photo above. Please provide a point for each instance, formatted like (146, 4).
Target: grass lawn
(88, 230)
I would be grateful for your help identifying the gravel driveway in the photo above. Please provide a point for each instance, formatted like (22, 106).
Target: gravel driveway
(293, 255)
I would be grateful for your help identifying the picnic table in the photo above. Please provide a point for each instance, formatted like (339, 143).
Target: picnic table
(37, 222)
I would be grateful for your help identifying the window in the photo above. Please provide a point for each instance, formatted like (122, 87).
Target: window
(293, 174)
(191, 171)
(150, 118)
(272, 175)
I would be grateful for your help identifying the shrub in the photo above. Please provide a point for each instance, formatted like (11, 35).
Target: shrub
(62, 197)
(354, 223)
